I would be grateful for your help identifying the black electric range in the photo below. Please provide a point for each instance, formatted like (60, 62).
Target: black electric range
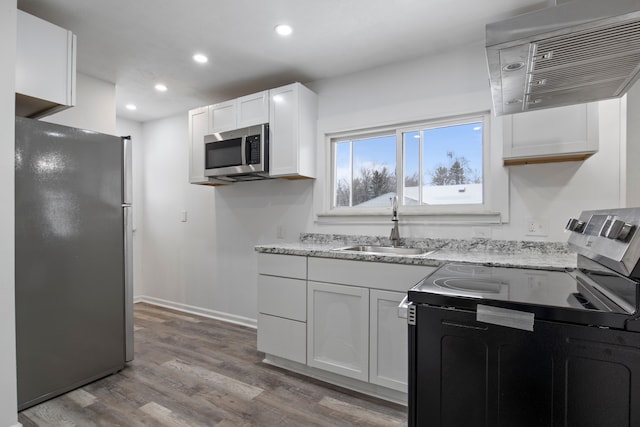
(580, 296)
(493, 346)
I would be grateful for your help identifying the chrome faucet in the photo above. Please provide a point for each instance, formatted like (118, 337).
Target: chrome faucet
(395, 233)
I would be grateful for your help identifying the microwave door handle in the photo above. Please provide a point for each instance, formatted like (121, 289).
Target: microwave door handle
(243, 149)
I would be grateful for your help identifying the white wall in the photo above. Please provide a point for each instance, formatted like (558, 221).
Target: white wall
(8, 394)
(208, 261)
(95, 107)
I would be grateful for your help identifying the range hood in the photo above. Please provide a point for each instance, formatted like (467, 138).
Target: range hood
(570, 53)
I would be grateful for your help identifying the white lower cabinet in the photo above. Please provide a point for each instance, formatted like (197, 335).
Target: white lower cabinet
(388, 352)
(337, 319)
(338, 324)
(282, 306)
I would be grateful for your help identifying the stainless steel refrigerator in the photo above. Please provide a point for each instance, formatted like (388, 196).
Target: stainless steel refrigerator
(74, 297)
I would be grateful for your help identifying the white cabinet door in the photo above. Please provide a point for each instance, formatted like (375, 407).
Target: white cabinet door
(198, 128)
(249, 110)
(554, 134)
(338, 329)
(223, 116)
(45, 65)
(292, 121)
(253, 109)
(388, 354)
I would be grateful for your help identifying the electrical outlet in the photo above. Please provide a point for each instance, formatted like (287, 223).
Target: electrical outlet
(536, 227)
(183, 216)
(481, 232)
(279, 232)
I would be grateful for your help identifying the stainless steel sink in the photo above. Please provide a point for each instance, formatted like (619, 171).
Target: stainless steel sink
(388, 250)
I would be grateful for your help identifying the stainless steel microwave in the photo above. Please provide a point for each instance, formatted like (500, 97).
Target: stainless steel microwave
(237, 155)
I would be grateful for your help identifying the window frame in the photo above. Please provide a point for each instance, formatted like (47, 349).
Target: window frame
(484, 213)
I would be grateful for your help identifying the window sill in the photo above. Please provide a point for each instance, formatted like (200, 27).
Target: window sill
(354, 217)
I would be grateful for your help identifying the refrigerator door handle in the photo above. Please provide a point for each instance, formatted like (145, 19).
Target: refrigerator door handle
(128, 281)
(127, 191)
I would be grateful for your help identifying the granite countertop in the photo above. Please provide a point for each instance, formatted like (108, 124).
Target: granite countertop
(504, 253)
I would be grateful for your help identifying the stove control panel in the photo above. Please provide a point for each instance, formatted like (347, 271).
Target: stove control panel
(608, 236)
(608, 226)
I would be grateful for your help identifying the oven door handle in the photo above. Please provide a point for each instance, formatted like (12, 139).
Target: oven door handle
(403, 307)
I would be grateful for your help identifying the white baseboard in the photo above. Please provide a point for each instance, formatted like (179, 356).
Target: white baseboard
(185, 308)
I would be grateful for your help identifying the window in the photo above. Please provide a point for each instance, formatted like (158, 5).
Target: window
(440, 164)
(365, 171)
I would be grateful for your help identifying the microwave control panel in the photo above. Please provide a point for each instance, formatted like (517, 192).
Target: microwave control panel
(253, 149)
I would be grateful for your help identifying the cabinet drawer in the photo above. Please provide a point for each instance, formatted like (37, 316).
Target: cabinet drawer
(377, 275)
(283, 265)
(283, 297)
(282, 337)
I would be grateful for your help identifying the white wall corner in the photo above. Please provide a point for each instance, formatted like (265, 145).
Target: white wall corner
(8, 386)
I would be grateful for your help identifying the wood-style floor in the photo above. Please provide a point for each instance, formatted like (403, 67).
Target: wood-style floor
(193, 371)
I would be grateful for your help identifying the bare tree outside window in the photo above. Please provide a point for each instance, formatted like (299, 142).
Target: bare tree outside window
(367, 171)
(458, 172)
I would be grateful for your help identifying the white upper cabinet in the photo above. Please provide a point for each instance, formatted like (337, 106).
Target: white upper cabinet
(198, 128)
(552, 135)
(45, 67)
(241, 112)
(293, 111)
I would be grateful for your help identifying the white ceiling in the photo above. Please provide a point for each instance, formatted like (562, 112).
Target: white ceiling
(138, 43)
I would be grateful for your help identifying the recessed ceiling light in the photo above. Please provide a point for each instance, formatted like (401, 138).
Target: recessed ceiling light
(200, 58)
(131, 107)
(514, 66)
(284, 29)
(161, 88)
